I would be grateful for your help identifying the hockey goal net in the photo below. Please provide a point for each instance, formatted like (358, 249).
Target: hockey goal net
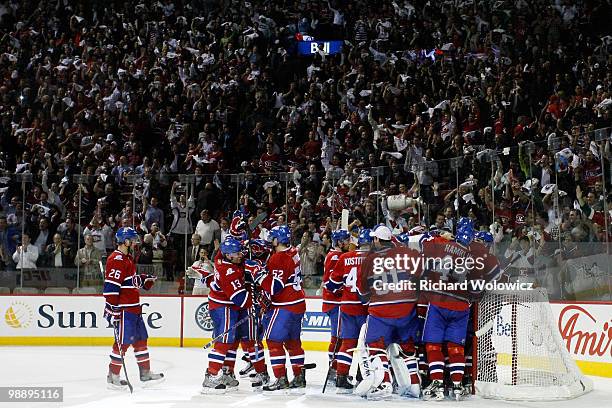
(519, 351)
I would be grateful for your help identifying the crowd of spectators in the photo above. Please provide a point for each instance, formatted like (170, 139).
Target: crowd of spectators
(134, 94)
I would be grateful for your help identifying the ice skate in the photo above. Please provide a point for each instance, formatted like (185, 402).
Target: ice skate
(229, 379)
(259, 380)
(298, 384)
(457, 391)
(149, 379)
(434, 391)
(114, 382)
(213, 384)
(467, 386)
(331, 380)
(279, 387)
(383, 392)
(343, 385)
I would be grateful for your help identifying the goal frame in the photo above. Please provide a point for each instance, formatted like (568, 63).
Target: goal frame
(514, 390)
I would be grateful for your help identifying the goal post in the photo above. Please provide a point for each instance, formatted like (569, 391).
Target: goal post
(519, 352)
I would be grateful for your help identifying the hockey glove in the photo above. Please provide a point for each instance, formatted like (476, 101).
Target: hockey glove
(112, 314)
(144, 281)
(263, 300)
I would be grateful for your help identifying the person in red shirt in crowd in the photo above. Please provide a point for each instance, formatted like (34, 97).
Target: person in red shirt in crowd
(591, 169)
(312, 148)
(269, 159)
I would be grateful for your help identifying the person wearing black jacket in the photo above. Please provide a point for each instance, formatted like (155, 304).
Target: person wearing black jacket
(59, 254)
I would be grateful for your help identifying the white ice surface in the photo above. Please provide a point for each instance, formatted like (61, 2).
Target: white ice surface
(82, 373)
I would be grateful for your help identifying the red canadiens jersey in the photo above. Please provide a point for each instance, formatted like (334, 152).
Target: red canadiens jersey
(284, 281)
(228, 287)
(451, 262)
(330, 299)
(345, 277)
(592, 173)
(121, 283)
(392, 292)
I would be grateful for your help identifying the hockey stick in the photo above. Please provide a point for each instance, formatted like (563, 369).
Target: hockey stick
(122, 355)
(238, 323)
(331, 362)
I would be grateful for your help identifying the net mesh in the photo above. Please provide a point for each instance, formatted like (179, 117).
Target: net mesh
(520, 353)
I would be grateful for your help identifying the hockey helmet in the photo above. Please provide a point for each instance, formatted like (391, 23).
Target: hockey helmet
(125, 233)
(282, 233)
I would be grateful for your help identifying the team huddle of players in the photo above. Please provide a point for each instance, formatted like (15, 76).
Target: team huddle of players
(256, 293)
(405, 341)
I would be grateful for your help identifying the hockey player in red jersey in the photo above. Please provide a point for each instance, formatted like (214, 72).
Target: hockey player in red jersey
(229, 302)
(456, 261)
(331, 300)
(124, 312)
(255, 271)
(283, 321)
(392, 318)
(353, 312)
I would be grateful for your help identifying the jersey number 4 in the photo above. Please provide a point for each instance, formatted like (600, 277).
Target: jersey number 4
(351, 279)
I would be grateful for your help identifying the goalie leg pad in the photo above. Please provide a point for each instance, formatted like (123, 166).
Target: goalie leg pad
(404, 367)
(371, 367)
(373, 377)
